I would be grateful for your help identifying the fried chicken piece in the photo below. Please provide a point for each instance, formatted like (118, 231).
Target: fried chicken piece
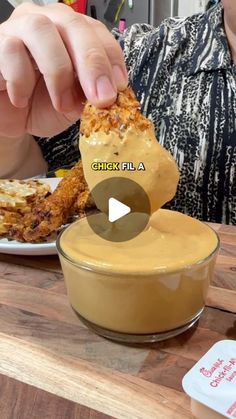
(10, 217)
(7, 219)
(83, 204)
(17, 197)
(125, 112)
(54, 211)
(3, 229)
(122, 134)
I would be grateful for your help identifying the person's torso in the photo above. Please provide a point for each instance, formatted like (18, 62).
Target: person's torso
(192, 103)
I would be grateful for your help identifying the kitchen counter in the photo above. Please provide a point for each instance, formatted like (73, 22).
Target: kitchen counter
(53, 367)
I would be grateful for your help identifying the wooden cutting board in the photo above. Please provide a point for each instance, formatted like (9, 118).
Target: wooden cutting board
(52, 366)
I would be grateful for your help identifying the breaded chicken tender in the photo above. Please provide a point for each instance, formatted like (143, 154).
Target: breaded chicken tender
(17, 198)
(49, 215)
(124, 113)
(121, 134)
(7, 219)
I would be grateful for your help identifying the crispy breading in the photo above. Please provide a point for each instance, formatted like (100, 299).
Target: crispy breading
(8, 218)
(17, 197)
(53, 212)
(3, 229)
(123, 113)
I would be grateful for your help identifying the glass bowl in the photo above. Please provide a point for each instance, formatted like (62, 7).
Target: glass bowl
(137, 307)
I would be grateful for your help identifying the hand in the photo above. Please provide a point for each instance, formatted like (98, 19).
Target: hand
(51, 58)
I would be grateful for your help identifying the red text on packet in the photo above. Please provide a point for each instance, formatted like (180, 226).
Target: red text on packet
(208, 372)
(232, 409)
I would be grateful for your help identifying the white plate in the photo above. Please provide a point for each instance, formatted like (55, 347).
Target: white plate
(38, 249)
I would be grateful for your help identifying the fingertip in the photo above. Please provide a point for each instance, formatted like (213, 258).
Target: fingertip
(120, 77)
(16, 100)
(105, 92)
(104, 104)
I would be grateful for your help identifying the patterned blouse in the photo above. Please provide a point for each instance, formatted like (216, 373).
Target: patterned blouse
(183, 75)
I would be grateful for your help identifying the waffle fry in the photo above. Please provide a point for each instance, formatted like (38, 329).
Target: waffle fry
(17, 198)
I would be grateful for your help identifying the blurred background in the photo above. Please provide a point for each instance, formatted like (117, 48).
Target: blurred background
(111, 12)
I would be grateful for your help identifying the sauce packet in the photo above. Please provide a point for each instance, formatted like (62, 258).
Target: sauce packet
(211, 383)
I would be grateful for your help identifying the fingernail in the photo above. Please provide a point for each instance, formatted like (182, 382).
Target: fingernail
(120, 79)
(22, 102)
(67, 100)
(105, 90)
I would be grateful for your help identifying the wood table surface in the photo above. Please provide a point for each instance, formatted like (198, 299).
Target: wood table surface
(53, 367)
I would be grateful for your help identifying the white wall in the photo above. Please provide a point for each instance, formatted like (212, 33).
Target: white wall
(189, 7)
(40, 2)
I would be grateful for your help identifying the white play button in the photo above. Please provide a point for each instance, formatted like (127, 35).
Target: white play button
(122, 203)
(117, 210)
